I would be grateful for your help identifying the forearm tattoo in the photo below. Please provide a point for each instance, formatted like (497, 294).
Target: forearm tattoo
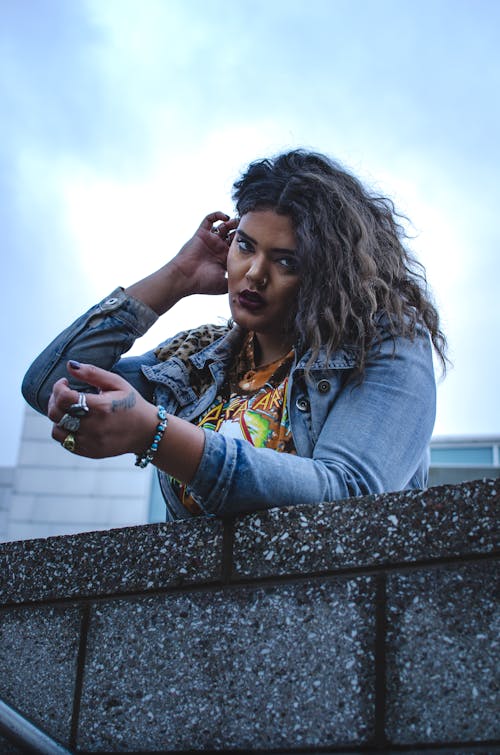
(124, 403)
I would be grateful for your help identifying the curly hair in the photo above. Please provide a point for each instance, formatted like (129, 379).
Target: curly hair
(355, 270)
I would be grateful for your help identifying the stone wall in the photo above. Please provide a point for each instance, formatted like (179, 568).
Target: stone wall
(358, 626)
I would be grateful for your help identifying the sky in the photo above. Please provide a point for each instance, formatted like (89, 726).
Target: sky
(124, 122)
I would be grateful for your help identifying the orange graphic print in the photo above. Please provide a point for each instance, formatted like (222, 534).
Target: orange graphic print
(261, 419)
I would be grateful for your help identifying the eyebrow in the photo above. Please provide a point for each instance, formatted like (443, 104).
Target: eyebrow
(276, 250)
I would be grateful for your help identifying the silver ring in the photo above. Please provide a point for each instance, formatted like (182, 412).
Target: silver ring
(67, 422)
(80, 409)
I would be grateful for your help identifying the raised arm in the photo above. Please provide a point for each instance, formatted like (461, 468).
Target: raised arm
(198, 268)
(108, 330)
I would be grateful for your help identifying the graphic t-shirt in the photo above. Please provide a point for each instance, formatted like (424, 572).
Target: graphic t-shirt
(259, 416)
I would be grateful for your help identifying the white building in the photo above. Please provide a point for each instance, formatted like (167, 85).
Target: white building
(53, 492)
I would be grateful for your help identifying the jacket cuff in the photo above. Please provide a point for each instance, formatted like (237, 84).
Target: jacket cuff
(138, 315)
(213, 477)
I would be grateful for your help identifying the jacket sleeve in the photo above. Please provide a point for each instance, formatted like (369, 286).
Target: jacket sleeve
(98, 337)
(373, 440)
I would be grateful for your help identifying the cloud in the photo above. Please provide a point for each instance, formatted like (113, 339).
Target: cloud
(124, 121)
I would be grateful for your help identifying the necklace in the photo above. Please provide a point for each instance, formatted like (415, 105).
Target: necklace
(256, 377)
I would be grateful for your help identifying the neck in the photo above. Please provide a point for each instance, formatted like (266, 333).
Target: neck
(268, 349)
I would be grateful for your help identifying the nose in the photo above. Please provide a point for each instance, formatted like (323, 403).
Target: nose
(257, 272)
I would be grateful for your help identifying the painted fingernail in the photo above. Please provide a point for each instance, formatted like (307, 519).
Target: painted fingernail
(74, 365)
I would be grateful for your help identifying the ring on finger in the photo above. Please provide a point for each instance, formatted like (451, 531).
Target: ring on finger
(68, 422)
(80, 409)
(69, 442)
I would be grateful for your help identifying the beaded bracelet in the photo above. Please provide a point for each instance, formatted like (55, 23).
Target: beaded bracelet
(143, 460)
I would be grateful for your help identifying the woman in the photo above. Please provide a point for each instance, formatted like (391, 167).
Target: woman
(322, 388)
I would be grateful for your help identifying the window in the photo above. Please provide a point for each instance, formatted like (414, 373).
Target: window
(462, 455)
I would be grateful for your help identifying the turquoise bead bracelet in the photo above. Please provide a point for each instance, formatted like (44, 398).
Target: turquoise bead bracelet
(143, 460)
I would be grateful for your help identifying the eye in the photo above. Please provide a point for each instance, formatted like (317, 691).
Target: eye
(289, 263)
(243, 244)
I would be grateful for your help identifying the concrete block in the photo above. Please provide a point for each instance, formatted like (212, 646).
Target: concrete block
(7, 748)
(38, 658)
(27, 530)
(129, 483)
(250, 668)
(6, 477)
(22, 506)
(383, 529)
(443, 657)
(36, 426)
(51, 480)
(40, 453)
(56, 509)
(3, 528)
(112, 562)
(32, 515)
(5, 498)
(40, 530)
(90, 480)
(46, 452)
(128, 512)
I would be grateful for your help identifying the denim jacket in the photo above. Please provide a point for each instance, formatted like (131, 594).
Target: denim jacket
(351, 439)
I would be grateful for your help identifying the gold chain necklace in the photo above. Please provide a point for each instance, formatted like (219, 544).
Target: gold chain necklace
(256, 378)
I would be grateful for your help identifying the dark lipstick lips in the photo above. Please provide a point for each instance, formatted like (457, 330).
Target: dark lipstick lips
(250, 299)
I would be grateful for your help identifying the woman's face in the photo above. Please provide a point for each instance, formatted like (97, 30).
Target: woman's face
(263, 275)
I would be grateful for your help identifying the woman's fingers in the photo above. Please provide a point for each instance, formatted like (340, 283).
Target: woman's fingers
(219, 229)
(211, 218)
(226, 227)
(113, 421)
(230, 224)
(97, 377)
(61, 398)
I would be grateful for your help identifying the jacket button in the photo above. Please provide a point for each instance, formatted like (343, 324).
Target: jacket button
(323, 386)
(110, 302)
(302, 404)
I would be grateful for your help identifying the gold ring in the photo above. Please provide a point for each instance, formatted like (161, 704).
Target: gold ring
(69, 442)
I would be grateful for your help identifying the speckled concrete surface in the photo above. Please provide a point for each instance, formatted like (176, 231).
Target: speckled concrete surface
(493, 749)
(109, 562)
(248, 668)
(384, 529)
(285, 663)
(7, 748)
(443, 659)
(38, 656)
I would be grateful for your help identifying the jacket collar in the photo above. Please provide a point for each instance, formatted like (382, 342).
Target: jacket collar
(342, 359)
(221, 350)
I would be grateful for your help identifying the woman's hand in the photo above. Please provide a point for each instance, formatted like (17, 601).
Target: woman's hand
(202, 259)
(119, 420)
(199, 267)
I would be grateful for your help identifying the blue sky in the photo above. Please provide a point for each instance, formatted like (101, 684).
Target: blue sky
(123, 122)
